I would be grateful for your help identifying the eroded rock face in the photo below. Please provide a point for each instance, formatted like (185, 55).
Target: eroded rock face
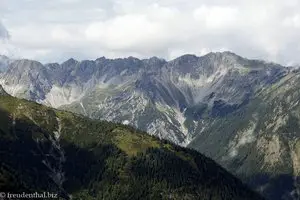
(220, 81)
(3, 92)
(271, 154)
(167, 99)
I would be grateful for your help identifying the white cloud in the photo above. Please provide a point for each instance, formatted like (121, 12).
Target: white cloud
(216, 17)
(5, 48)
(292, 21)
(54, 30)
(3, 32)
(126, 32)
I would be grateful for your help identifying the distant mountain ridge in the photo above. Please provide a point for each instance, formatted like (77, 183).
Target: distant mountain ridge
(181, 84)
(240, 112)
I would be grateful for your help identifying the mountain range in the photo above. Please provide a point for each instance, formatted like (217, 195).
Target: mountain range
(242, 113)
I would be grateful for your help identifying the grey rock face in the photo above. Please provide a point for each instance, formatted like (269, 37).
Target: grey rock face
(125, 90)
(2, 91)
(26, 79)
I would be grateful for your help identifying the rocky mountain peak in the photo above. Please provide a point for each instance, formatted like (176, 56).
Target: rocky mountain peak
(100, 59)
(2, 57)
(154, 62)
(186, 58)
(226, 57)
(222, 54)
(27, 64)
(52, 65)
(133, 58)
(69, 62)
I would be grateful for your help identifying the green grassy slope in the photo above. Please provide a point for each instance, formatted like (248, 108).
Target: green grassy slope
(43, 149)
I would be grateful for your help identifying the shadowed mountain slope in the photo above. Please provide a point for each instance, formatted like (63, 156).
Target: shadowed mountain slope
(44, 149)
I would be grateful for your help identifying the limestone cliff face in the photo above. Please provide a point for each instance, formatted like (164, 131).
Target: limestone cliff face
(164, 98)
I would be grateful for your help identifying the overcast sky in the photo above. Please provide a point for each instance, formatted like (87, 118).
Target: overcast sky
(56, 30)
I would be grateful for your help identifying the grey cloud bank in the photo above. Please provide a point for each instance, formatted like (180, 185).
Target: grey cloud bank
(53, 30)
(3, 32)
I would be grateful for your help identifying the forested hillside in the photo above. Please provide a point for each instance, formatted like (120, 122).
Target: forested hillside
(44, 149)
